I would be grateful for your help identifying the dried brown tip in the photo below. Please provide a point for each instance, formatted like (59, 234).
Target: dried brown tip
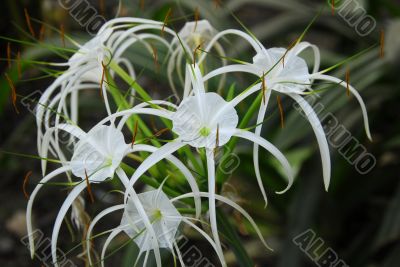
(134, 134)
(382, 43)
(29, 23)
(196, 18)
(348, 82)
(24, 184)
(62, 34)
(216, 141)
(169, 12)
(89, 187)
(9, 54)
(19, 64)
(13, 92)
(42, 32)
(278, 98)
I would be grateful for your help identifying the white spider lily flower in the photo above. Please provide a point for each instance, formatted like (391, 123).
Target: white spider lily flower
(190, 39)
(97, 156)
(204, 120)
(284, 71)
(86, 69)
(165, 221)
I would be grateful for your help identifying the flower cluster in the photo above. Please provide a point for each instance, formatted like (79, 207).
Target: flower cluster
(203, 121)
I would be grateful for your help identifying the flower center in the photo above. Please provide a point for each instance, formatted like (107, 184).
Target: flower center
(205, 131)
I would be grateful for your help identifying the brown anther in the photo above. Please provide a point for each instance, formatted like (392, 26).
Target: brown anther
(28, 22)
(9, 54)
(62, 34)
(19, 64)
(102, 7)
(103, 74)
(216, 141)
(141, 4)
(42, 32)
(24, 184)
(89, 187)
(169, 12)
(348, 82)
(264, 88)
(217, 3)
(196, 18)
(382, 44)
(13, 92)
(195, 53)
(333, 7)
(134, 134)
(278, 98)
(155, 57)
(160, 132)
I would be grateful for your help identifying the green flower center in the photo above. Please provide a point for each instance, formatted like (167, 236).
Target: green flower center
(205, 131)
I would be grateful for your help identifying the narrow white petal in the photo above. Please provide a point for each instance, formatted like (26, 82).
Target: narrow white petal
(60, 217)
(321, 138)
(273, 150)
(354, 92)
(106, 244)
(260, 119)
(30, 204)
(211, 199)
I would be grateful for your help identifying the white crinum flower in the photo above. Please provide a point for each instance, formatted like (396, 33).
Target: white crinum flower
(97, 156)
(214, 123)
(164, 223)
(284, 71)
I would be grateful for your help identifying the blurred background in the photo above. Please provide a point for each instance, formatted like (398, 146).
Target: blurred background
(359, 218)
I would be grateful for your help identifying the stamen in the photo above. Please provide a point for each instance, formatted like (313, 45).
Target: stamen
(103, 73)
(216, 141)
(134, 134)
(278, 98)
(196, 18)
(382, 42)
(160, 132)
(169, 12)
(195, 53)
(217, 3)
(13, 92)
(333, 7)
(102, 8)
(41, 33)
(287, 51)
(141, 4)
(26, 179)
(19, 64)
(28, 22)
(9, 54)
(62, 33)
(89, 188)
(155, 56)
(348, 82)
(264, 87)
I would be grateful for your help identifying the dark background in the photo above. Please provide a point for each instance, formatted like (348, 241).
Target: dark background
(359, 218)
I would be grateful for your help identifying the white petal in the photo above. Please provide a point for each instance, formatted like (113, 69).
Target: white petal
(60, 217)
(321, 138)
(30, 204)
(354, 92)
(273, 150)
